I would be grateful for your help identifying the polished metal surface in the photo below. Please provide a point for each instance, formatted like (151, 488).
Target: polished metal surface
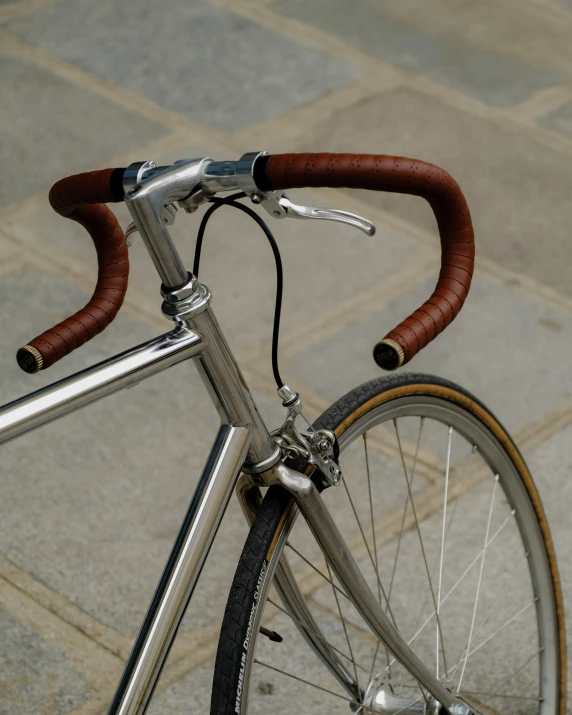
(181, 573)
(293, 210)
(135, 173)
(105, 378)
(149, 188)
(150, 191)
(228, 388)
(175, 295)
(264, 464)
(197, 298)
(347, 571)
(249, 497)
(145, 202)
(232, 175)
(383, 701)
(314, 446)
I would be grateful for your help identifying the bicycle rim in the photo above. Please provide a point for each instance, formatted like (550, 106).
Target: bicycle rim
(460, 559)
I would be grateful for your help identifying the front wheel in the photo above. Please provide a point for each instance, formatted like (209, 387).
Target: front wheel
(442, 516)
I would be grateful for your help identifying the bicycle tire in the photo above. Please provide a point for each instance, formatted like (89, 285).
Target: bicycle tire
(265, 543)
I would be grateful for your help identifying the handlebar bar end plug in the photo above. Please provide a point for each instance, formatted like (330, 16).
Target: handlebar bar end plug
(29, 359)
(388, 354)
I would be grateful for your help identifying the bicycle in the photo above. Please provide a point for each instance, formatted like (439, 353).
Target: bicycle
(346, 566)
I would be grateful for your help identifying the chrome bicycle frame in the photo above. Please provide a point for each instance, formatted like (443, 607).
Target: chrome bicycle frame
(243, 442)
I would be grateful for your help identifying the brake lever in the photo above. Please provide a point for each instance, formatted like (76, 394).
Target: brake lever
(296, 211)
(279, 205)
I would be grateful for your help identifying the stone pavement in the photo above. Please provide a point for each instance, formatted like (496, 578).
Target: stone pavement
(90, 505)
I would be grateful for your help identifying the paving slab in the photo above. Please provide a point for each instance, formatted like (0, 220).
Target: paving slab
(510, 351)
(491, 76)
(517, 189)
(35, 675)
(272, 691)
(8, 247)
(172, 53)
(91, 504)
(68, 138)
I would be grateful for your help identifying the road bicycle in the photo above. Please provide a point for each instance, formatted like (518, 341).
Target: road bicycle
(399, 559)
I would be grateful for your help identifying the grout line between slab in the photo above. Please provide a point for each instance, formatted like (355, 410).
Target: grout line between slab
(293, 126)
(390, 75)
(191, 649)
(116, 643)
(24, 7)
(172, 141)
(486, 267)
(95, 662)
(172, 673)
(358, 306)
(123, 97)
(540, 8)
(74, 271)
(541, 103)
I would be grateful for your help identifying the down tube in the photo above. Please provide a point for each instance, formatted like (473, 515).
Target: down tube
(181, 573)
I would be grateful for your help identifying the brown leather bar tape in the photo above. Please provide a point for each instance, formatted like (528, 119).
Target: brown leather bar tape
(404, 176)
(82, 198)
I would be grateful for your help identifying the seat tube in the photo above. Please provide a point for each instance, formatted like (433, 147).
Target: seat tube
(181, 572)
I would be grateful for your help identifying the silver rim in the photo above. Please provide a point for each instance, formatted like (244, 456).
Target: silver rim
(485, 617)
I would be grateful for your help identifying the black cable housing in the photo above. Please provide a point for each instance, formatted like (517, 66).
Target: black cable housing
(231, 201)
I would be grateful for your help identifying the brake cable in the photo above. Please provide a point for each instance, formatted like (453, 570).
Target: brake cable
(231, 201)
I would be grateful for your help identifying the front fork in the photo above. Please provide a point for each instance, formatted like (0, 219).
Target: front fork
(342, 562)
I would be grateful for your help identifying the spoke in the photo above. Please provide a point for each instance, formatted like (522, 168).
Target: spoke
(344, 626)
(318, 635)
(361, 708)
(442, 552)
(507, 680)
(399, 540)
(402, 528)
(420, 540)
(307, 682)
(380, 585)
(449, 527)
(460, 492)
(375, 554)
(323, 575)
(489, 517)
(472, 652)
(498, 598)
(510, 620)
(458, 582)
